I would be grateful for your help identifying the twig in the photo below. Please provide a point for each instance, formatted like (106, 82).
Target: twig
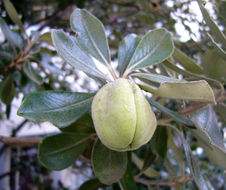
(172, 183)
(18, 128)
(84, 159)
(20, 141)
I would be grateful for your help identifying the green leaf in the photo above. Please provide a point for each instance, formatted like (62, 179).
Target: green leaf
(153, 48)
(109, 166)
(218, 49)
(32, 74)
(176, 150)
(188, 63)
(214, 66)
(90, 35)
(126, 50)
(206, 122)
(83, 125)
(160, 141)
(156, 78)
(13, 13)
(175, 89)
(57, 152)
(13, 37)
(149, 158)
(7, 91)
(127, 182)
(209, 135)
(171, 113)
(148, 171)
(70, 51)
(5, 55)
(93, 184)
(192, 164)
(194, 167)
(221, 110)
(60, 108)
(217, 34)
(46, 37)
(172, 66)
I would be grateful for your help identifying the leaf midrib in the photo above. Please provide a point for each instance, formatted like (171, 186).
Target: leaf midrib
(81, 62)
(94, 43)
(147, 55)
(59, 108)
(66, 148)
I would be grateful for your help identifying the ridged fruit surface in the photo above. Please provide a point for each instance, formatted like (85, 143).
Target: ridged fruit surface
(122, 116)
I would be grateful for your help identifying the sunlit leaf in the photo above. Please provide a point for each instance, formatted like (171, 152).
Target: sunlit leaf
(90, 35)
(218, 49)
(187, 62)
(175, 68)
(126, 50)
(170, 88)
(214, 66)
(70, 51)
(156, 78)
(60, 108)
(153, 48)
(109, 166)
(57, 152)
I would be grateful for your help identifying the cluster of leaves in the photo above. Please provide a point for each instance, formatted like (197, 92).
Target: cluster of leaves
(26, 63)
(152, 61)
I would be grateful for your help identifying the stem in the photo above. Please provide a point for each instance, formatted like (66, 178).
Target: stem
(125, 74)
(112, 72)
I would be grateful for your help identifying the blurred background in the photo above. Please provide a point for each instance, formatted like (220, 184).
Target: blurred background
(19, 166)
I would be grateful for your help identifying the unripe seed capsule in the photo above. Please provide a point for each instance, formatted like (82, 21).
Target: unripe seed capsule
(122, 116)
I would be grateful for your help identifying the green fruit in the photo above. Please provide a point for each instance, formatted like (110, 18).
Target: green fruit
(122, 116)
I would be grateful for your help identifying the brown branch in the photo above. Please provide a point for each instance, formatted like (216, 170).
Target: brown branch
(20, 58)
(14, 132)
(20, 141)
(191, 108)
(84, 159)
(172, 183)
